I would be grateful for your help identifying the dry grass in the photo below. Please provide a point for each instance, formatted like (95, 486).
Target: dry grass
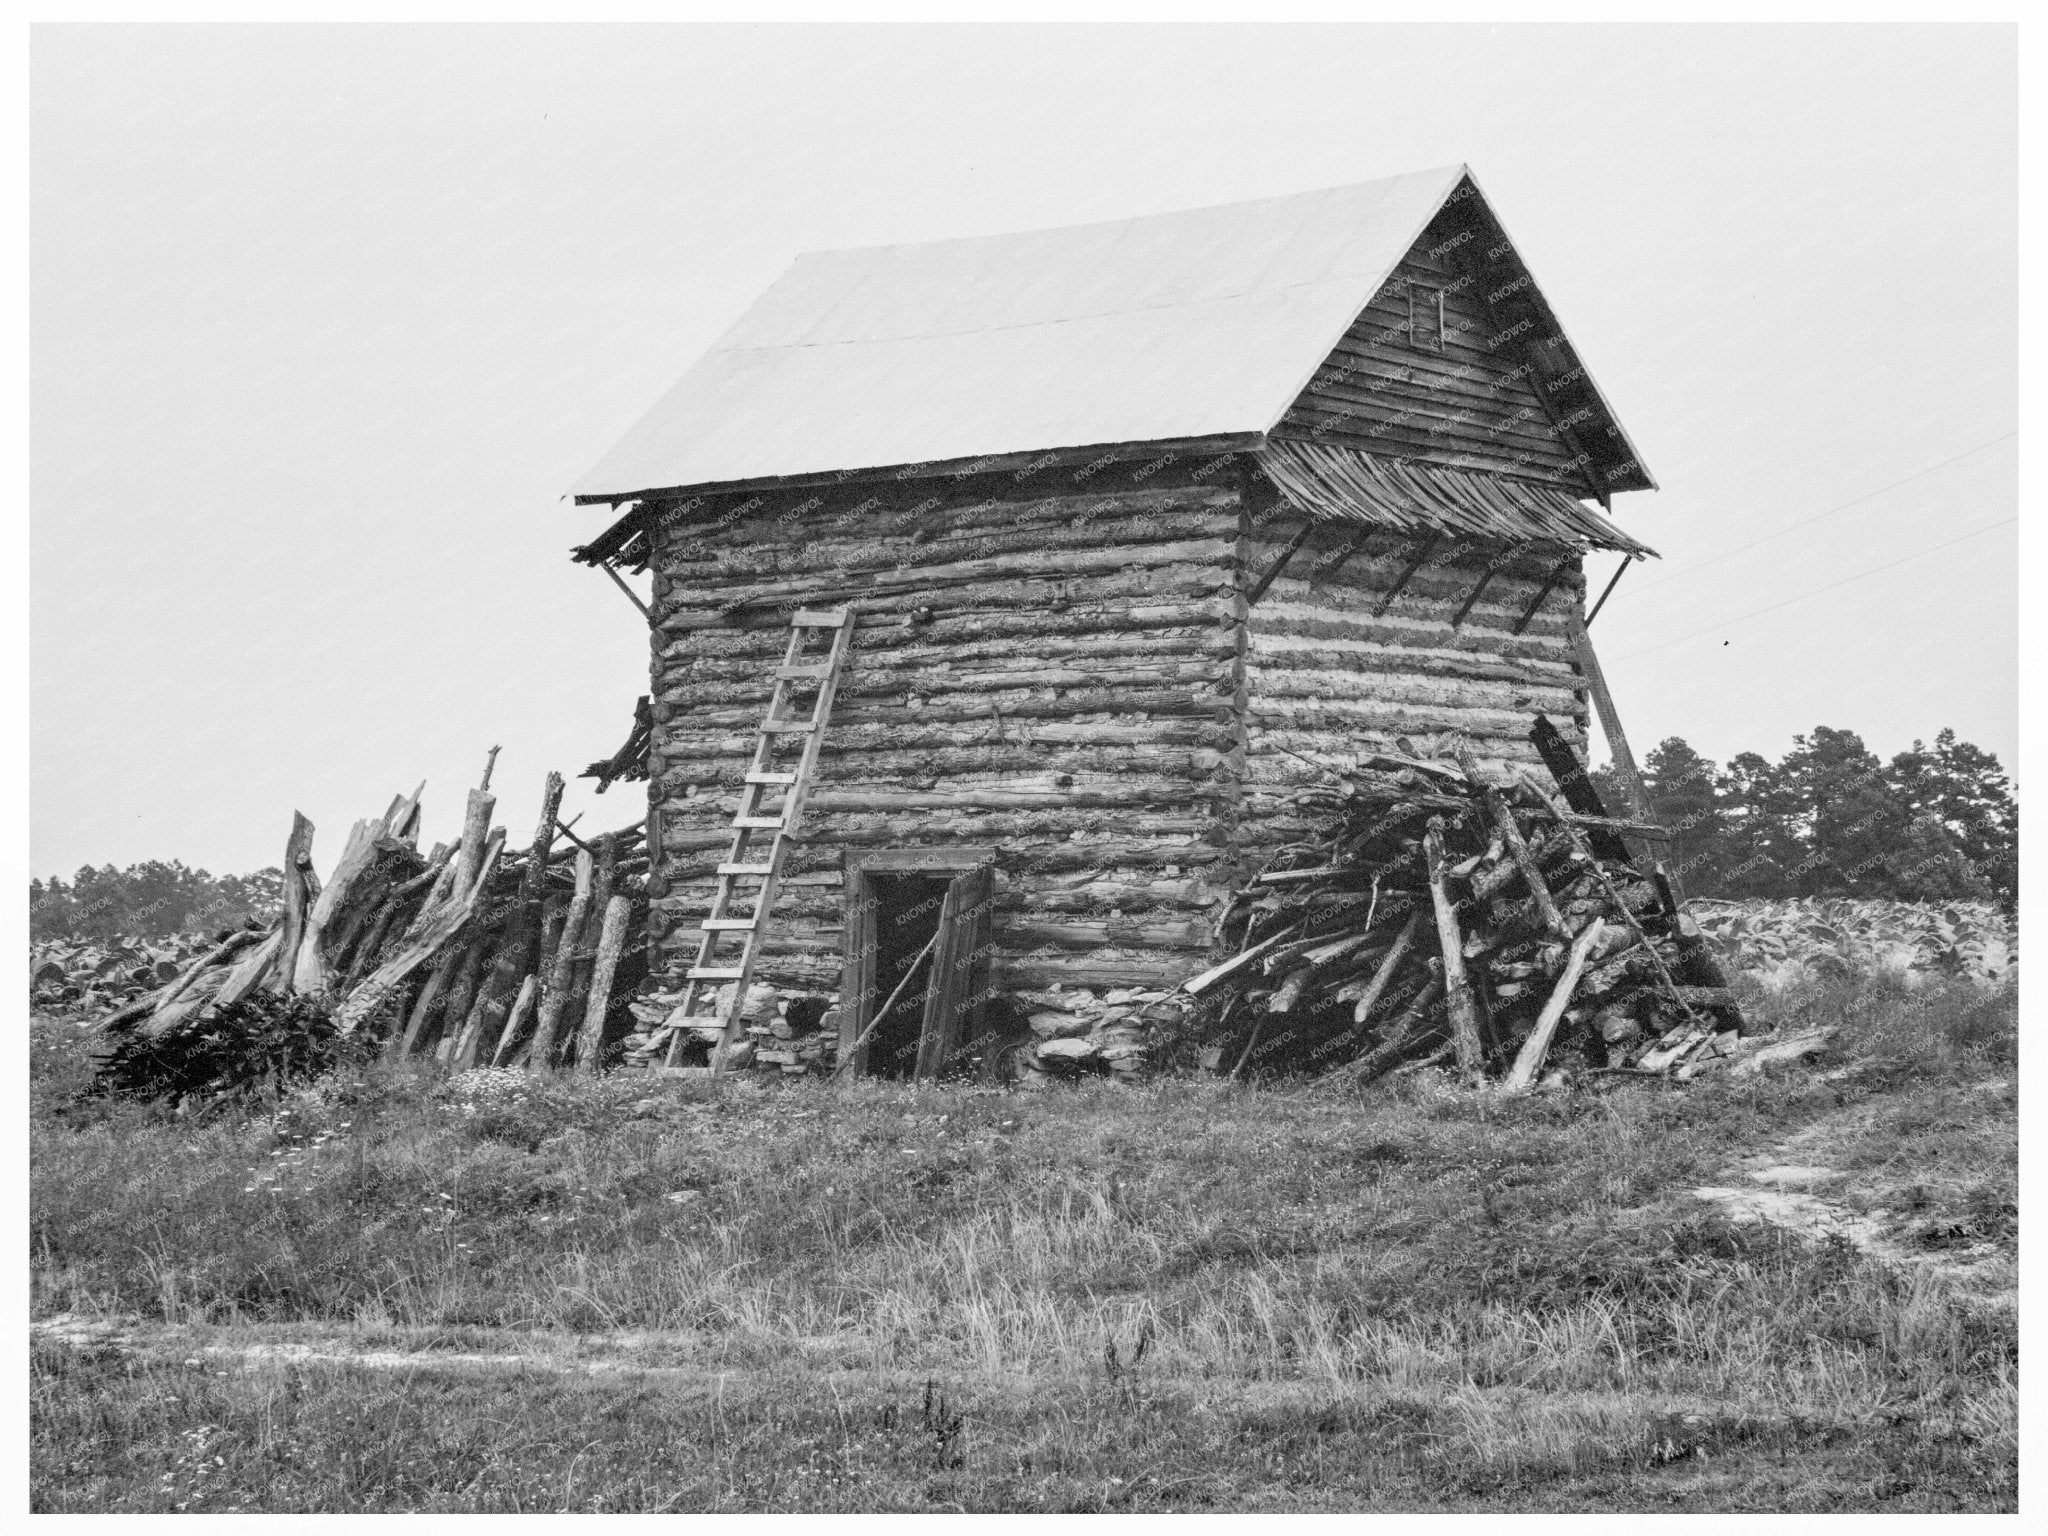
(1417, 1298)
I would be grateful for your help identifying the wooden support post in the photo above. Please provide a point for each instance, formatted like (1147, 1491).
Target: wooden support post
(1464, 1011)
(1415, 564)
(1273, 571)
(1610, 720)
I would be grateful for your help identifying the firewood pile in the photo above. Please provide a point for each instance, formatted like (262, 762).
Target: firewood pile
(1448, 914)
(465, 952)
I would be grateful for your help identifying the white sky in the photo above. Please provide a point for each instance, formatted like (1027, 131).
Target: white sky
(325, 320)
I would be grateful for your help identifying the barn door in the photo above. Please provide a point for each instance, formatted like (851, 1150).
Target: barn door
(897, 899)
(959, 968)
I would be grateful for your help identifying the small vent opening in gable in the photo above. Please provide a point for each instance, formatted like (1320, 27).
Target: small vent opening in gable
(1425, 318)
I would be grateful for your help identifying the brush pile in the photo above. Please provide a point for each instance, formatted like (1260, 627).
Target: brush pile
(1449, 914)
(466, 952)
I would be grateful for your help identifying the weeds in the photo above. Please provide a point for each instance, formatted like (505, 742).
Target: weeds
(1199, 1295)
(1123, 1378)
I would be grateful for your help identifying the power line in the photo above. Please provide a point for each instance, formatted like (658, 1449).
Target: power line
(1757, 613)
(1686, 570)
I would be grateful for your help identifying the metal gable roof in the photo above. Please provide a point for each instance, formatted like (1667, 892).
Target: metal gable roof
(1194, 324)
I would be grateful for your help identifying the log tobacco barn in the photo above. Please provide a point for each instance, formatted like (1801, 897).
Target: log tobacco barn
(1138, 522)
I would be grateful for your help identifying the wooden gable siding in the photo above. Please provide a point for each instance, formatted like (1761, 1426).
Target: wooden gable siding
(1325, 678)
(1051, 674)
(1470, 406)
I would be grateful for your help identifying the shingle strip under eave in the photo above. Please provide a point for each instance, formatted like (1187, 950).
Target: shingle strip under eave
(1342, 485)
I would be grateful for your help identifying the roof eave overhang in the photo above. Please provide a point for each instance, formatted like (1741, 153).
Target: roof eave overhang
(1625, 471)
(1020, 465)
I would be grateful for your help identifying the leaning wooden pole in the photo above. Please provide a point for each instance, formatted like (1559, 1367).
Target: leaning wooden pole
(1396, 953)
(1517, 847)
(298, 897)
(515, 1021)
(1610, 717)
(561, 974)
(1614, 897)
(1530, 1060)
(1464, 1009)
(515, 957)
(611, 943)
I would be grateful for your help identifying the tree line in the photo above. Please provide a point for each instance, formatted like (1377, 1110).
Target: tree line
(149, 901)
(1831, 818)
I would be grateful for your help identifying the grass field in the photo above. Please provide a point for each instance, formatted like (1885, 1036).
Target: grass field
(396, 1293)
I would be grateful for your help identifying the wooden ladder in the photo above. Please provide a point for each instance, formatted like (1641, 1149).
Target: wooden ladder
(742, 862)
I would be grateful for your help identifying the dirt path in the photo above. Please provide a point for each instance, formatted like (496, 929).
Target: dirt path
(256, 1346)
(1782, 1187)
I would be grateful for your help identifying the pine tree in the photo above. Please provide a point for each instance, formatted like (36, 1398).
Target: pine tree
(1681, 788)
(1965, 790)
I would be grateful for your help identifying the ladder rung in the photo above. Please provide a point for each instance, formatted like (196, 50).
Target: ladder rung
(725, 924)
(758, 823)
(801, 670)
(782, 727)
(716, 972)
(762, 870)
(819, 618)
(761, 776)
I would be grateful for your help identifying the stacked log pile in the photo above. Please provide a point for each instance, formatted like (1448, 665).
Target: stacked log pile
(465, 952)
(1443, 914)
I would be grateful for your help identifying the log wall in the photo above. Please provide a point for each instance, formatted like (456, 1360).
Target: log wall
(1074, 677)
(1049, 671)
(1325, 677)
